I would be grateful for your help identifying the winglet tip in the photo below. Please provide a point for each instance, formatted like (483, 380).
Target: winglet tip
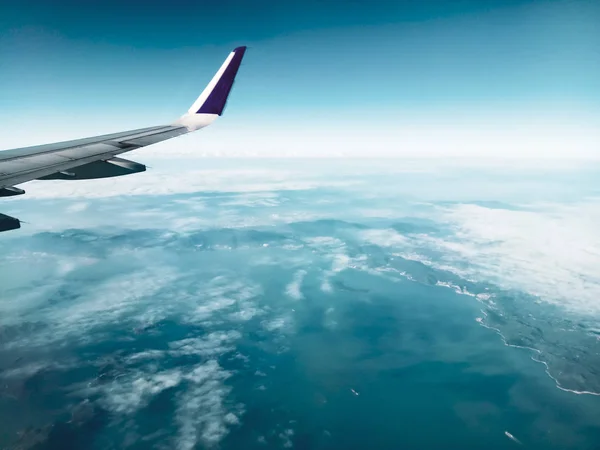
(214, 97)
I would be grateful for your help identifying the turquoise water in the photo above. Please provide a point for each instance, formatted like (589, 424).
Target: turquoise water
(312, 306)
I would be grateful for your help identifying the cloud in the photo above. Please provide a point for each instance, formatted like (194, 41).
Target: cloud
(63, 310)
(215, 343)
(201, 413)
(293, 289)
(437, 134)
(165, 181)
(384, 238)
(552, 253)
(334, 251)
(279, 323)
(113, 308)
(286, 438)
(225, 297)
(77, 207)
(130, 393)
(533, 268)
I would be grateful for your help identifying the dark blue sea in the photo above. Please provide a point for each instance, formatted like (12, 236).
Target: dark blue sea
(305, 304)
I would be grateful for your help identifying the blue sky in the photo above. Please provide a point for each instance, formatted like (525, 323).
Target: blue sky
(407, 76)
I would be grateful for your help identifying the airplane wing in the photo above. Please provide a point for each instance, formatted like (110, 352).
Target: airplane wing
(96, 157)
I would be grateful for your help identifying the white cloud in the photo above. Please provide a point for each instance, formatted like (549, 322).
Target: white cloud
(434, 135)
(165, 181)
(77, 207)
(201, 413)
(329, 320)
(30, 369)
(286, 438)
(293, 289)
(215, 343)
(224, 294)
(335, 251)
(132, 290)
(553, 253)
(108, 302)
(130, 393)
(279, 323)
(384, 238)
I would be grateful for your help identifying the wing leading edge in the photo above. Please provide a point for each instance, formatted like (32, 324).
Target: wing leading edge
(96, 157)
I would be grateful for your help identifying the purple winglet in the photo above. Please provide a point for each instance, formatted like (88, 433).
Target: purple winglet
(215, 102)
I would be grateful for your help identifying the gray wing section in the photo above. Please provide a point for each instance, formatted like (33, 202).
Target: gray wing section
(79, 159)
(96, 157)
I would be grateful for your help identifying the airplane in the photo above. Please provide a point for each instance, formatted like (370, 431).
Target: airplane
(96, 157)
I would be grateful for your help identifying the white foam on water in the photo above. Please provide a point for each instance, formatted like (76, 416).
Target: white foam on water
(481, 321)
